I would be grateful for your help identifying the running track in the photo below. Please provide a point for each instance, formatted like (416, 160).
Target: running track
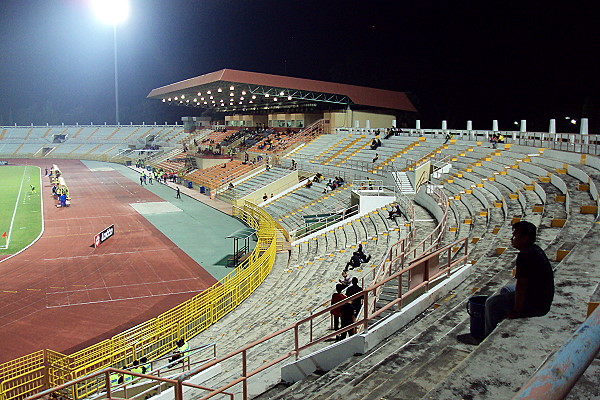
(64, 295)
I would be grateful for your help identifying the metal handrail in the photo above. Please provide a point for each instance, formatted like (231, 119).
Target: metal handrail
(324, 222)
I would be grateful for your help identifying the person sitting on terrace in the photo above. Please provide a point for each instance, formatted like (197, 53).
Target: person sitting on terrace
(318, 177)
(533, 292)
(180, 350)
(374, 144)
(361, 254)
(354, 262)
(395, 212)
(308, 183)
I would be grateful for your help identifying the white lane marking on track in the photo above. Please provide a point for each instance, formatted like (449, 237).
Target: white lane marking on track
(121, 299)
(107, 254)
(12, 220)
(120, 286)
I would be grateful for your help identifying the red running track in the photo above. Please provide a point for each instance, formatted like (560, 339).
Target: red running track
(64, 295)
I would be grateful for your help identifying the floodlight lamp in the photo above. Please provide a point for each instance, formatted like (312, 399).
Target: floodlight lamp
(164, 100)
(169, 99)
(202, 98)
(231, 88)
(183, 96)
(253, 97)
(205, 102)
(199, 94)
(274, 98)
(219, 90)
(244, 92)
(208, 92)
(176, 99)
(573, 121)
(195, 100)
(112, 11)
(289, 97)
(267, 95)
(281, 93)
(242, 98)
(187, 101)
(211, 97)
(231, 94)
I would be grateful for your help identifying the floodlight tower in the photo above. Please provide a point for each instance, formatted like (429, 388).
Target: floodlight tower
(113, 12)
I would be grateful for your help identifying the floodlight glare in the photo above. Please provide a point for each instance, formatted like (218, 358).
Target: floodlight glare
(112, 11)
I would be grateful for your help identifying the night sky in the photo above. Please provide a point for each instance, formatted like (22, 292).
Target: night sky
(459, 60)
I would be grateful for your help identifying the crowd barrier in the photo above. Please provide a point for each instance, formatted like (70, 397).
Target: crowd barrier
(28, 375)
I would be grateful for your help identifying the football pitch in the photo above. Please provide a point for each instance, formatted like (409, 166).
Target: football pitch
(21, 218)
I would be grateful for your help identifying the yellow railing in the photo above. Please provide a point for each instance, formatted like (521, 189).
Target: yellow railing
(35, 372)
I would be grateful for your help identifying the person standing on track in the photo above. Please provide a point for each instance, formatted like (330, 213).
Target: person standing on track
(178, 193)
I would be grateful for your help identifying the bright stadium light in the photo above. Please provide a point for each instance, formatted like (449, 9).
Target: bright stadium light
(113, 12)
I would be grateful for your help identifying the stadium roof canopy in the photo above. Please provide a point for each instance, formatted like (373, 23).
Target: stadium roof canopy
(229, 90)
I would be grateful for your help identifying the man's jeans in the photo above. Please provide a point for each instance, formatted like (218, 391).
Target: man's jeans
(498, 306)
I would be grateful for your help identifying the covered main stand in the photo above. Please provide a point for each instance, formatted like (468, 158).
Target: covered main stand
(241, 245)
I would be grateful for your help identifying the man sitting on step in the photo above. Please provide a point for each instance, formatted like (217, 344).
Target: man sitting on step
(395, 212)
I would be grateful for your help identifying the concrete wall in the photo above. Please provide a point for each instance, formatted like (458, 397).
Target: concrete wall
(347, 118)
(277, 186)
(426, 201)
(204, 163)
(296, 120)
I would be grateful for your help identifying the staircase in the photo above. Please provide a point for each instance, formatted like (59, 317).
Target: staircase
(403, 182)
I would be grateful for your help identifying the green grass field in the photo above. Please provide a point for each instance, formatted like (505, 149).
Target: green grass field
(20, 207)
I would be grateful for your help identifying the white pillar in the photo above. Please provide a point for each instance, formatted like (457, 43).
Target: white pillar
(418, 126)
(523, 125)
(444, 124)
(495, 125)
(393, 123)
(583, 128)
(368, 124)
(469, 125)
(357, 124)
(552, 128)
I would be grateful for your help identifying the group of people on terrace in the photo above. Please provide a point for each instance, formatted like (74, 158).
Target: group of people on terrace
(337, 182)
(346, 314)
(496, 138)
(358, 257)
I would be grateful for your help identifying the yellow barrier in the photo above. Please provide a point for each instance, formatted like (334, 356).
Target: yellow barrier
(41, 370)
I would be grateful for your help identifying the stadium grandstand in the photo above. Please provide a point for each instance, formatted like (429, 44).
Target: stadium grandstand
(310, 171)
